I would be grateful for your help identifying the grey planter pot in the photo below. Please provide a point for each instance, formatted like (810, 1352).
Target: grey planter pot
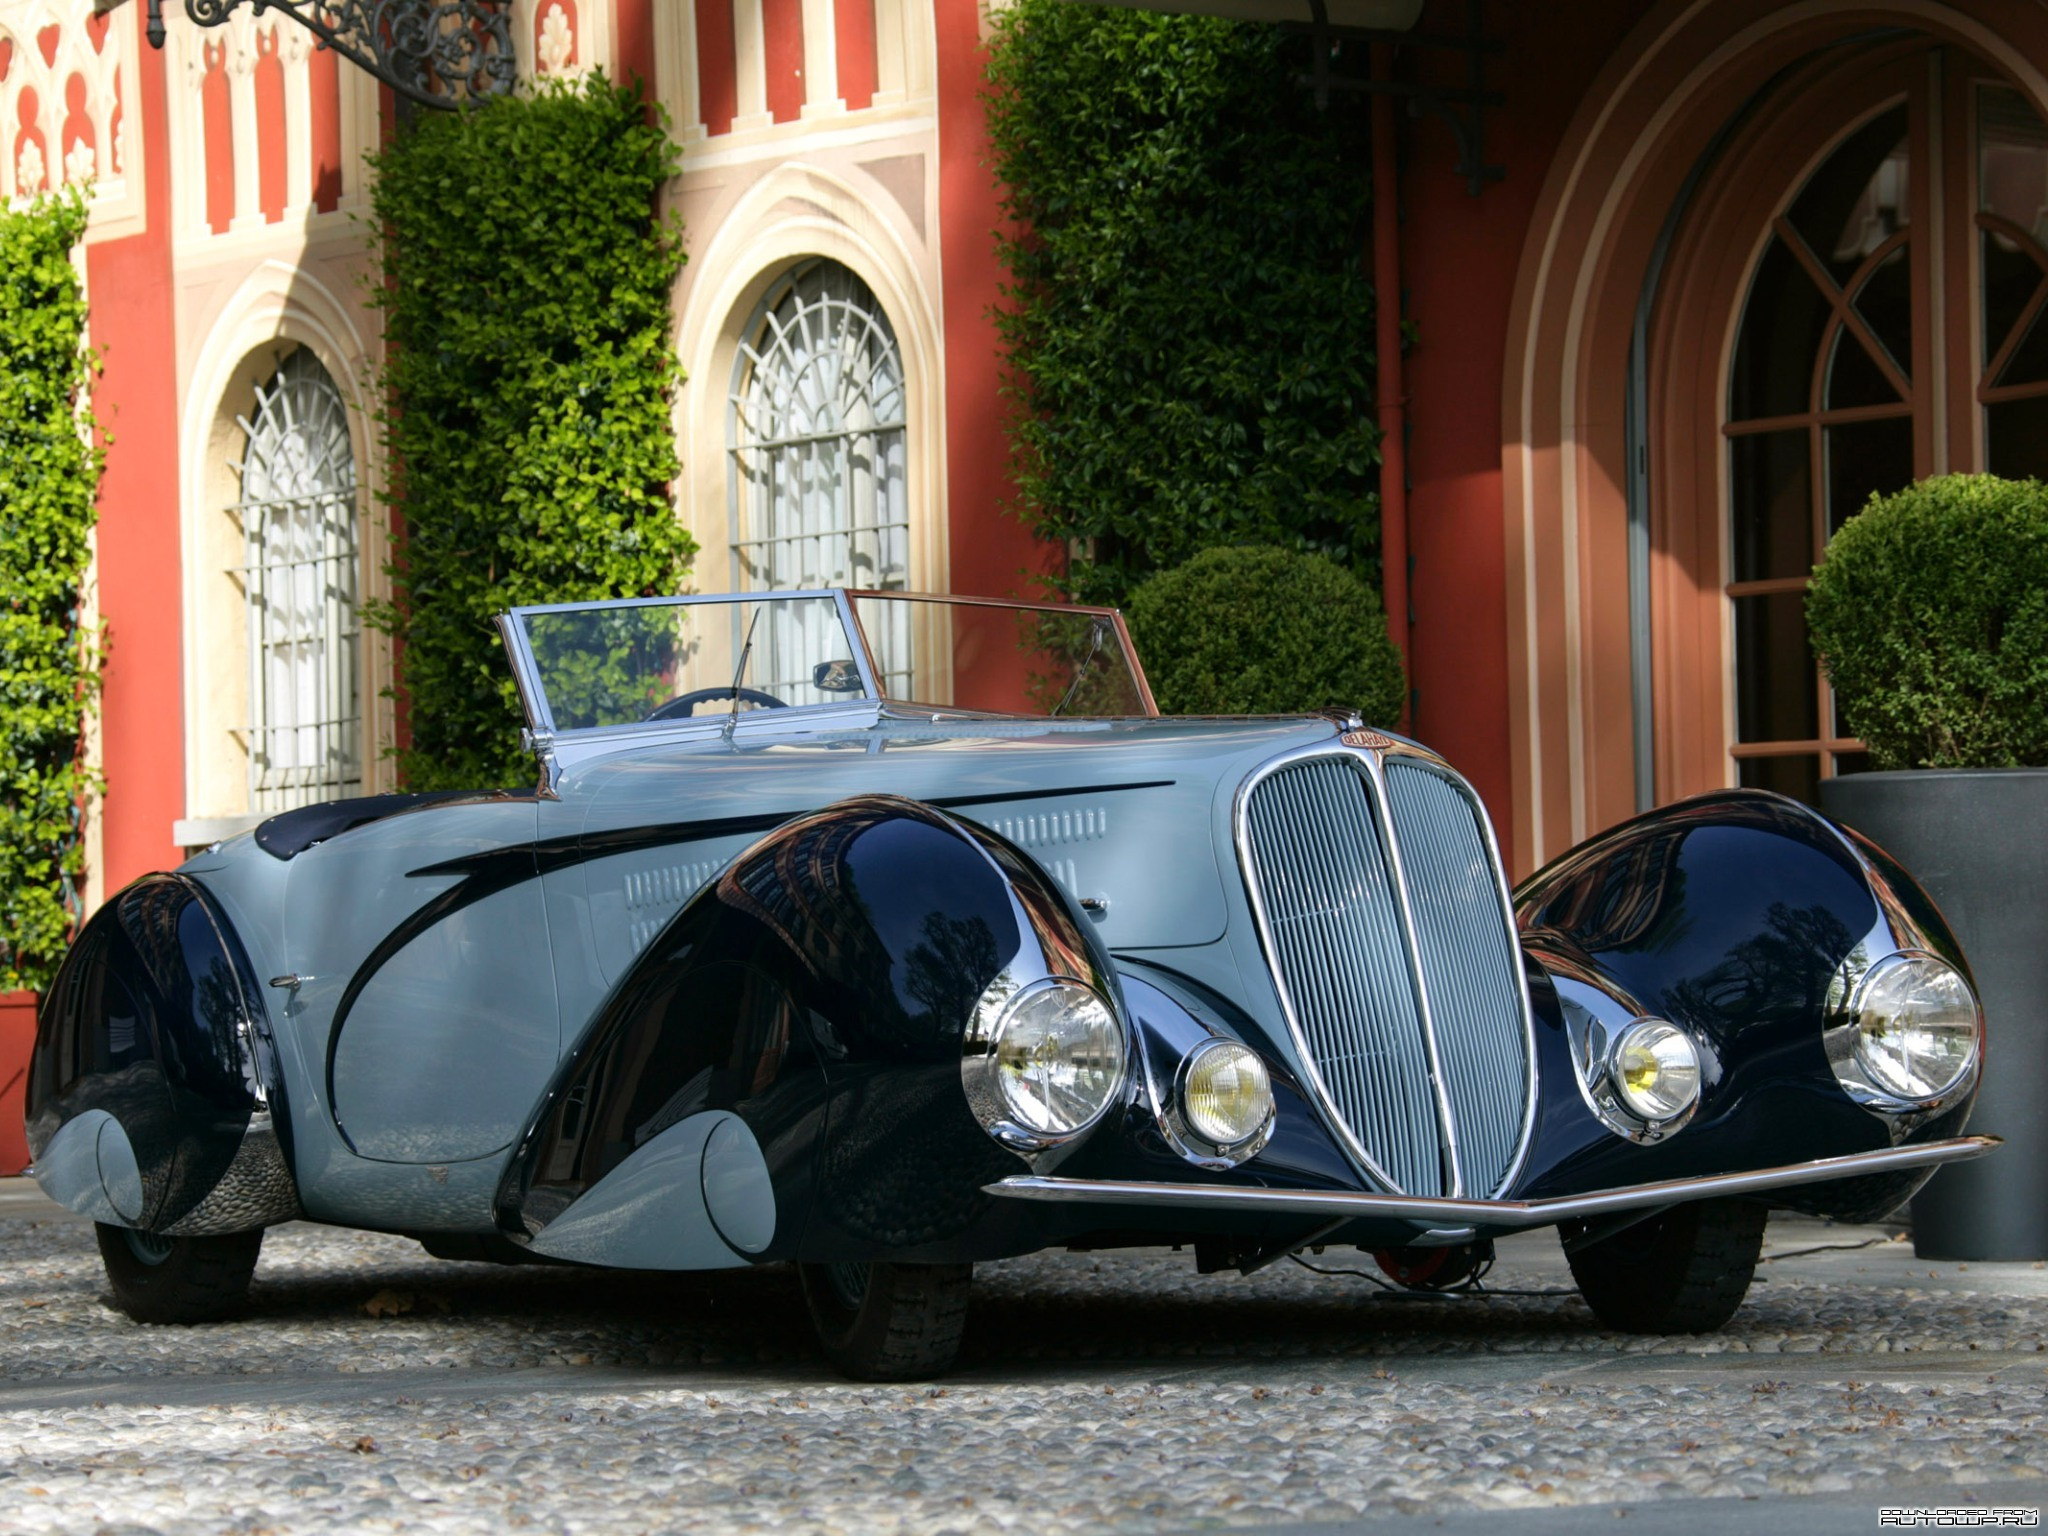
(1977, 840)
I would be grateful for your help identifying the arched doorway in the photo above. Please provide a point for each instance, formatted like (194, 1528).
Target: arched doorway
(1656, 210)
(1854, 301)
(816, 439)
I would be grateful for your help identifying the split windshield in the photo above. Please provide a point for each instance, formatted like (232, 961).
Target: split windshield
(590, 666)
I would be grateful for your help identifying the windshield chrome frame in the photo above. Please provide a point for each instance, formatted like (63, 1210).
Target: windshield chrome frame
(1114, 615)
(533, 696)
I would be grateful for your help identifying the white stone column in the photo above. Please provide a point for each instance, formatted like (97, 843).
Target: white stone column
(821, 59)
(750, 56)
(241, 67)
(295, 52)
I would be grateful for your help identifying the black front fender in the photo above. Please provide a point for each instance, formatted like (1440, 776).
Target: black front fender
(817, 991)
(1735, 915)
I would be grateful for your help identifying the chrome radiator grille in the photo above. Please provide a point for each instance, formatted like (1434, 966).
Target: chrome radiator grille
(1397, 965)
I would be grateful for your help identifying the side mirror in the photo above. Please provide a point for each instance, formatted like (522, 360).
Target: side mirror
(836, 677)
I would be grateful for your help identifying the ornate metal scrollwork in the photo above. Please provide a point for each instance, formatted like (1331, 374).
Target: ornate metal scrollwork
(439, 53)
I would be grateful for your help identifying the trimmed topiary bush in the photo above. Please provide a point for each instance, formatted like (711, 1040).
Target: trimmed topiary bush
(1930, 613)
(1260, 630)
(49, 656)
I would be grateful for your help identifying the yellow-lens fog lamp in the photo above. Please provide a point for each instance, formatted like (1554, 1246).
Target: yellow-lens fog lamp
(1226, 1095)
(1655, 1070)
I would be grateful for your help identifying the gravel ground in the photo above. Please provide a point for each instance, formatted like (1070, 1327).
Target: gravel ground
(372, 1388)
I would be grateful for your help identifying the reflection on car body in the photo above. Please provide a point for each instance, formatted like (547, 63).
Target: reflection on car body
(884, 934)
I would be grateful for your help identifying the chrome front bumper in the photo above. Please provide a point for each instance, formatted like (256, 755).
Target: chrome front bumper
(1332, 1205)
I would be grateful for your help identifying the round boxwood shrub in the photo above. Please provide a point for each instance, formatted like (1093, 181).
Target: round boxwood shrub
(1930, 613)
(1258, 630)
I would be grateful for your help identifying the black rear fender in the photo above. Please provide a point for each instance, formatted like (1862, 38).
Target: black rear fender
(154, 1098)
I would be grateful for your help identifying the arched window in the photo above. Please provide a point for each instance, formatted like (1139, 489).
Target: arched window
(816, 433)
(816, 436)
(299, 532)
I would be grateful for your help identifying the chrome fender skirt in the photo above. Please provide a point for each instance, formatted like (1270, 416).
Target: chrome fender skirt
(1332, 1205)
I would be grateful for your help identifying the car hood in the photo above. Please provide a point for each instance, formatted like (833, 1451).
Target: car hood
(1131, 815)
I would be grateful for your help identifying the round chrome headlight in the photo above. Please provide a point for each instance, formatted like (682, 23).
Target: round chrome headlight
(1655, 1069)
(1916, 1025)
(1047, 1065)
(1226, 1096)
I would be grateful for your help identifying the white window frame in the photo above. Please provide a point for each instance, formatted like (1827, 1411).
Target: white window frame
(302, 555)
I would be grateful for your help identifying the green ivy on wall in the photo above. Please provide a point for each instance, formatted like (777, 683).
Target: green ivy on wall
(1189, 322)
(528, 383)
(49, 661)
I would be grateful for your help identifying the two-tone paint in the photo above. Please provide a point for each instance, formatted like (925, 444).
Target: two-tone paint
(701, 1002)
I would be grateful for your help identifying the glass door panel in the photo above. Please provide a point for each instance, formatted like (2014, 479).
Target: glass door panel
(2012, 234)
(1820, 417)
(1865, 459)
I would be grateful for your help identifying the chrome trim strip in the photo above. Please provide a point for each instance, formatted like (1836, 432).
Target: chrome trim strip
(525, 674)
(681, 599)
(1334, 1205)
(1405, 748)
(1453, 1163)
(870, 675)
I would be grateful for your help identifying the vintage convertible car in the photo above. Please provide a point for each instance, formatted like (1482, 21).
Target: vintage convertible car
(776, 965)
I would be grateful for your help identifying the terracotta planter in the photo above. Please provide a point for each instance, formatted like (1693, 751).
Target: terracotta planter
(17, 1039)
(1977, 841)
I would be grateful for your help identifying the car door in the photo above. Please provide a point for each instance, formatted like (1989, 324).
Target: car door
(425, 1004)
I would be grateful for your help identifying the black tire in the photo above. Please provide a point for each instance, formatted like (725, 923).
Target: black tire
(1683, 1271)
(889, 1322)
(178, 1279)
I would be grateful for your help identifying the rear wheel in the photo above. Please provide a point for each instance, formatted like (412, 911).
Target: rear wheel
(1684, 1270)
(178, 1279)
(889, 1322)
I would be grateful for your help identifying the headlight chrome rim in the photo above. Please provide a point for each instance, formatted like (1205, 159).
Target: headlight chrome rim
(1655, 1072)
(1857, 1050)
(995, 1103)
(1236, 1148)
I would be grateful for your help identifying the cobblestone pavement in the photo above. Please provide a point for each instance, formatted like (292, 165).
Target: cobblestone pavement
(373, 1388)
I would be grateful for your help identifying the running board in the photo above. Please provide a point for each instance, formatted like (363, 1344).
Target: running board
(1334, 1205)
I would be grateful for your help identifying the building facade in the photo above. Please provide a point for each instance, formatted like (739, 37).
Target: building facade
(1744, 263)
(833, 171)
(1750, 263)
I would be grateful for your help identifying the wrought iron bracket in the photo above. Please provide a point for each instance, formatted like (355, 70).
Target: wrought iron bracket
(438, 53)
(1462, 108)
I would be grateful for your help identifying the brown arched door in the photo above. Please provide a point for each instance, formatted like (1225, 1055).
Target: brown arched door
(1855, 301)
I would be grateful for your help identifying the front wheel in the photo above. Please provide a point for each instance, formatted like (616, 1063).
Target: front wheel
(1684, 1270)
(178, 1279)
(889, 1322)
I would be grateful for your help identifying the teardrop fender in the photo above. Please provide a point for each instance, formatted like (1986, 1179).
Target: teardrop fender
(155, 1099)
(1732, 914)
(778, 1074)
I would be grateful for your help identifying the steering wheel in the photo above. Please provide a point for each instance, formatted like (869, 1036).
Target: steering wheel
(685, 704)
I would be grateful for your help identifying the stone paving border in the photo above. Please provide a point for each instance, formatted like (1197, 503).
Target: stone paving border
(374, 1389)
